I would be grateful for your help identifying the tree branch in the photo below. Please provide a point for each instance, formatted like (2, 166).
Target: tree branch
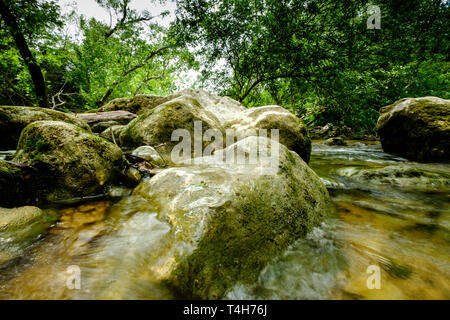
(127, 72)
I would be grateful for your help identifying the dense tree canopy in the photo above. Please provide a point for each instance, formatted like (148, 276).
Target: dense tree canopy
(317, 58)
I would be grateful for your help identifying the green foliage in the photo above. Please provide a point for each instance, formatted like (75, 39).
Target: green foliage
(318, 58)
(314, 57)
(100, 62)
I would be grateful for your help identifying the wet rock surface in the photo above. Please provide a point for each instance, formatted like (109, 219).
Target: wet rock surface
(14, 119)
(71, 161)
(417, 129)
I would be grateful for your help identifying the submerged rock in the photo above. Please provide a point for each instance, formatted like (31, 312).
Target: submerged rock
(14, 119)
(292, 131)
(19, 227)
(405, 176)
(416, 128)
(71, 161)
(155, 127)
(204, 228)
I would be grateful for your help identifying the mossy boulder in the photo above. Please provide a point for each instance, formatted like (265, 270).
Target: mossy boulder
(155, 127)
(227, 221)
(416, 128)
(137, 104)
(19, 227)
(71, 161)
(292, 131)
(14, 119)
(223, 108)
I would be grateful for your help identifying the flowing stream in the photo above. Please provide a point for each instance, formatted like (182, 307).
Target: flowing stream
(397, 222)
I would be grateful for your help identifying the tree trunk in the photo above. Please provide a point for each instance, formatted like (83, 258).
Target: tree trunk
(30, 61)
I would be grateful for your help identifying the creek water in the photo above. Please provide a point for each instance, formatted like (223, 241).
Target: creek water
(398, 223)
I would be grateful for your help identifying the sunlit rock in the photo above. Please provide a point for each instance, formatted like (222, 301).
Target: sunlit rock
(416, 128)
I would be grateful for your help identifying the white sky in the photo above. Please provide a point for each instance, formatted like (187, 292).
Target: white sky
(90, 9)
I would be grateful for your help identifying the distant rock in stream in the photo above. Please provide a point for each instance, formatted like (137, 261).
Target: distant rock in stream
(417, 129)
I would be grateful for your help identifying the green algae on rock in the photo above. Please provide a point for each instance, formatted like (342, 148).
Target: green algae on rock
(14, 119)
(155, 127)
(19, 227)
(71, 161)
(416, 128)
(228, 221)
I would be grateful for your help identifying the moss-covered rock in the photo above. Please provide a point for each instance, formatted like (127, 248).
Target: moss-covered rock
(137, 104)
(155, 127)
(14, 119)
(224, 108)
(416, 128)
(227, 222)
(292, 131)
(19, 227)
(71, 161)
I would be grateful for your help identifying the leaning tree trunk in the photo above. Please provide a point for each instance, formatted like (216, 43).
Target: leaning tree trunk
(30, 61)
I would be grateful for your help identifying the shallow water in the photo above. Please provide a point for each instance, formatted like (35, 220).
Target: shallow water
(122, 249)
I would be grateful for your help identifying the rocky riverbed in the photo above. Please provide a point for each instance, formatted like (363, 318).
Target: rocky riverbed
(114, 208)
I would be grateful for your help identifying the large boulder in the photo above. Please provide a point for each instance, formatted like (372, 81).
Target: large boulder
(416, 128)
(14, 119)
(137, 104)
(202, 229)
(19, 227)
(292, 131)
(71, 162)
(155, 127)
(224, 108)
